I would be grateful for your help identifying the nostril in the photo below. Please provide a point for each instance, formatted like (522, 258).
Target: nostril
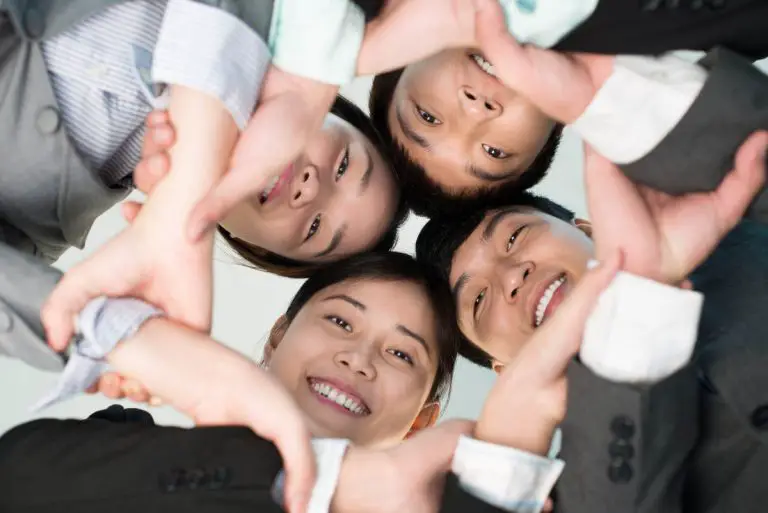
(297, 195)
(526, 273)
(306, 177)
(470, 95)
(514, 293)
(489, 106)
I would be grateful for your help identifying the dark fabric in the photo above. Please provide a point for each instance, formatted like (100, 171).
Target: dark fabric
(657, 26)
(117, 413)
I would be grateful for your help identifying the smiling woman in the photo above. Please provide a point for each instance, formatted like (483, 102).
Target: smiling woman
(338, 198)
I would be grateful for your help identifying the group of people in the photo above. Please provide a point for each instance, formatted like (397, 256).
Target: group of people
(638, 334)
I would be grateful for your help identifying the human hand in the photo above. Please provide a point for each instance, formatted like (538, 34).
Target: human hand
(291, 109)
(666, 237)
(528, 399)
(114, 386)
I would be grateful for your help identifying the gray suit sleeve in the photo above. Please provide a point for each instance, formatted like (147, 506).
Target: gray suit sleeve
(699, 151)
(25, 282)
(625, 447)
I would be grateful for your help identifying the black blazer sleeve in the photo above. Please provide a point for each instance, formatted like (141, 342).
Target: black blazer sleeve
(699, 151)
(457, 500)
(99, 465)
(656, 26)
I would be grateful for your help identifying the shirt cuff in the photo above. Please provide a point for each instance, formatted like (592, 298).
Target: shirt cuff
(329, 454)
(320, 39)
(639, 105)
(641, 331)
(212, 51)
(545, 22)
(505, 477)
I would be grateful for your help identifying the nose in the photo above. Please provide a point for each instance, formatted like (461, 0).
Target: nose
(304, 187)
(358, 361)
(514, 277)
(477, 105)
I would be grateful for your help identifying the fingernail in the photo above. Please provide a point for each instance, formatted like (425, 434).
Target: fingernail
(593, 263)
(161, 135)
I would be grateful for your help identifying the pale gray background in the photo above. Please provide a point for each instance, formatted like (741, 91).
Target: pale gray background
(248, 301)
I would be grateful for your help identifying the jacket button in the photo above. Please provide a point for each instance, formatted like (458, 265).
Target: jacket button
(48, 120)
(6, 322)
(34, 23)
(196, 479)
(623, 427)
(760, 417)
(621, 449)
(219, 478)
(619, 471)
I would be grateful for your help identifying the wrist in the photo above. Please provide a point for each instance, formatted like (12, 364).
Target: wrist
(530, 436)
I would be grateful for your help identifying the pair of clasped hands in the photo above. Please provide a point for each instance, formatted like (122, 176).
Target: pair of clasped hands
(165, 257)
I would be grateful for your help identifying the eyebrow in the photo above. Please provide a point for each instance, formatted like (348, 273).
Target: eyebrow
(335, 241)
(496, 219)
(352, 301)
(408, 131)
(460, 283)
(418, 338)
(487, 176)
(366, 178)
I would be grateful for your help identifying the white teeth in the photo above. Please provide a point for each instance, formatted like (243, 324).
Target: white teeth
(265, 192)
(484, 65)
(339, 398)
(546, 298)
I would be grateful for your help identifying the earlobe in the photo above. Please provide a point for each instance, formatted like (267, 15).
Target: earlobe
(275, 337)
(497, 367)
(583, 225)
(428, 417)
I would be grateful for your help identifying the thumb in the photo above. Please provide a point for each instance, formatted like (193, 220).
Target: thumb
(293, 441)
(498, 46)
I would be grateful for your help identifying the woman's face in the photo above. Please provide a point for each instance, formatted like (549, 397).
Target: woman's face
(335, 200)
(360, 359)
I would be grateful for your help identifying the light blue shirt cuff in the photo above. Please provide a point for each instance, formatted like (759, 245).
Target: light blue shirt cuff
(545, 22)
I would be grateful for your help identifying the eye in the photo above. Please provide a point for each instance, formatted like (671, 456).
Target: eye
(402, 355)
(427, 117)
(478, 301)
(344, 165)
(341, 323)
(495, 153)
(313, 228)
(513, 238)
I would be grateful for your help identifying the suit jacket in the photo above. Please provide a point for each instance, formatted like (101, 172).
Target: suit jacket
(658, 26)
(699, 151)
(698, 442)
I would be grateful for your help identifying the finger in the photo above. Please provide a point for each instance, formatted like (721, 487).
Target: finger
(110, 386)
(740, 186)
(498, 46)
(130, 209)
(158, 117)
(560, 337)
(150, 170)
(549, 506)
(93, 389)
(295, 448)
(686, 285)
(134, 391)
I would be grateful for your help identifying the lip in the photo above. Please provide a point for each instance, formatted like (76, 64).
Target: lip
(348, 391)
(538, 291)
(286, 178)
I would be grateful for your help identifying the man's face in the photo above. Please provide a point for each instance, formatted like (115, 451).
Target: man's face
(463, 126)
(512, 273)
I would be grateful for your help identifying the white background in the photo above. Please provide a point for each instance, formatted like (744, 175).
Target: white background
(247, 302)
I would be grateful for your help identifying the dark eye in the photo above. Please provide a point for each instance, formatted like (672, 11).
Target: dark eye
(427, 117)
(495, 152)
(313, 228)
(343, 165)
(478, 302)
(402, 355)
(513, 238)
(341, 323)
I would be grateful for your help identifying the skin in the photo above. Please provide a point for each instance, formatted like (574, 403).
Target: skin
(463, 126)
(376, 339)
(328, 204)
(498, 282)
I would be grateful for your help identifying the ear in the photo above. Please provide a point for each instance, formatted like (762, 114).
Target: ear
(497, 366)
(583, 225)
(427, 418)
(275, 337)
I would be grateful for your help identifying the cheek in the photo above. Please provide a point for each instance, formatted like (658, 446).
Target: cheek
(404, 390)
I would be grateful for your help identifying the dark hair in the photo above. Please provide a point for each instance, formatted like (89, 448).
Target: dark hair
(426, 196)
(271, 262)
(441, 237)
(391, 266)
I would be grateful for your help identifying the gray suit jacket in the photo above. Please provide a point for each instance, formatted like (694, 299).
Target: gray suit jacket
(699, 151)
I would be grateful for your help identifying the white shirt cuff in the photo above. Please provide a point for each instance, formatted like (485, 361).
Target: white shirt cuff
(317, 39)
(505, 477)
(212, 51)
(641, 331)
(545, 22)
(639, 105)
(329, 453)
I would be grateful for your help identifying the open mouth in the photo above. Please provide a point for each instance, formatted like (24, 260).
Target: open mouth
(275, 185)
(483, 64)
(342, 400)
(553, 295)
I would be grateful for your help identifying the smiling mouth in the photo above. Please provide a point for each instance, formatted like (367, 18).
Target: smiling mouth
(275, 185)
(341, 400)
(483, 64)
(549, 300)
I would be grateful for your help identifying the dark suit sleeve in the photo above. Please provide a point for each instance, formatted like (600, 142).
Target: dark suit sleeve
(699, 151)
(98, 465)
(624, 447)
